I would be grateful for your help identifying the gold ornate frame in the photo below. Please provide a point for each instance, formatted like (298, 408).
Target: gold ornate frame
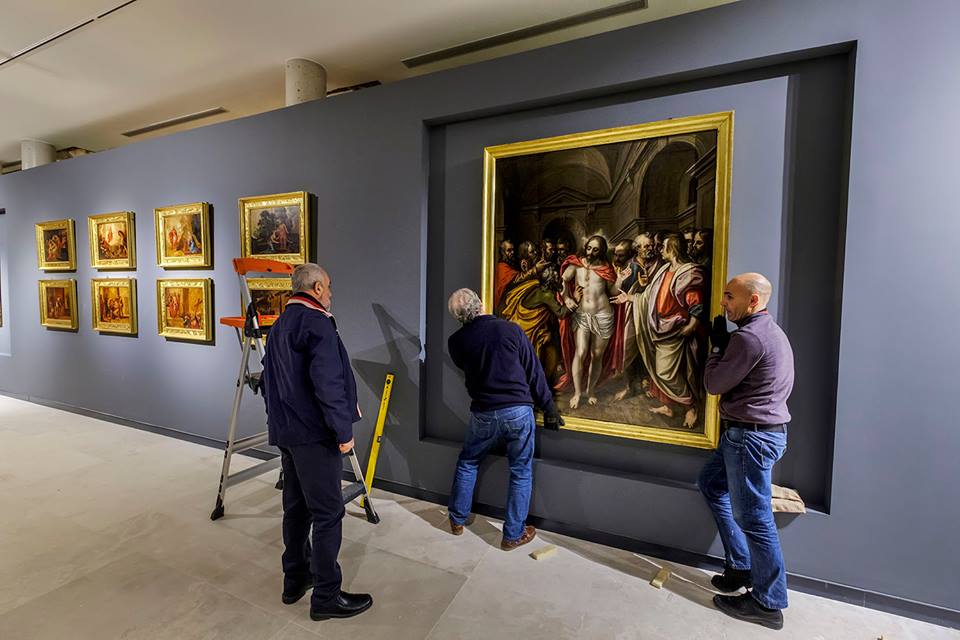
(300, 198)
(182, 333)
(269, 284)
(71, 262)
(130, 262)
(181, 262)
(71, 287)
(722, 123)
(126, 328)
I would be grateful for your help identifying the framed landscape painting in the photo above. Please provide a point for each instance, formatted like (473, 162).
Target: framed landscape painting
(58, 304)
(608, 248)
(56, 246)
(183, 236)
(270, 296)
(276, 227)
(185, 308)
(114, 305)
(112, 241)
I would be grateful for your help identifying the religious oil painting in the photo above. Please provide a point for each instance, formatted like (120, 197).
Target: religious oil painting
(58, 304)
(183, 236)
(114, 305)
(269, 297)
(185, 309)
(56, 246)
(276, 227)
(608, 248)
(112, 242)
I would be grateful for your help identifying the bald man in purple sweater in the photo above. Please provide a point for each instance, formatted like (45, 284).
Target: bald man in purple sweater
(751, 369)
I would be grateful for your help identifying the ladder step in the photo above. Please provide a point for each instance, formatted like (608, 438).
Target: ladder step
(249, 442)
(352, 491)
(251, 472)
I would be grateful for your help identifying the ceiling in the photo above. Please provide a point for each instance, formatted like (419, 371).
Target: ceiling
(153, 60)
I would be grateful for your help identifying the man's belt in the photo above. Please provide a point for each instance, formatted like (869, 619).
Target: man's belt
(750, 426)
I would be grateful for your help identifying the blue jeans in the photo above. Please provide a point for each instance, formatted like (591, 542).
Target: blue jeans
(514, 425)
(736, 484)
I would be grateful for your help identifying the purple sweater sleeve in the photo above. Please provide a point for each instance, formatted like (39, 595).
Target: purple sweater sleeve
(725, 371)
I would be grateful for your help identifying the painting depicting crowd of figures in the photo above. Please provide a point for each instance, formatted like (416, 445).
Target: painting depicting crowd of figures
(604, 252)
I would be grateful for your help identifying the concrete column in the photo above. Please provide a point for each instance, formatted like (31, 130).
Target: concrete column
(34, 153)
(306, 81)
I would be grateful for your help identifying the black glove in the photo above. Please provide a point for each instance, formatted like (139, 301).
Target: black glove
(552, 420)
(719, 335)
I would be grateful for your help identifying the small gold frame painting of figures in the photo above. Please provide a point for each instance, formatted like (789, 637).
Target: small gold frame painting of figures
(114, 305)
(276, 227)
(183, 236)
(112, 241)
(56, 246)
(58, 304)
(185, 309)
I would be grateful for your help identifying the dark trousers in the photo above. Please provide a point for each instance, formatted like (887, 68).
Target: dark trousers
(311, 495)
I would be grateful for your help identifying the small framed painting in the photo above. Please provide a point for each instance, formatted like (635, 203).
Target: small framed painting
(58, 304)
(185, 309)
(114, 305)
(112, 242)
(276, 227)
(183, 235)
(56, 246)
(269, 297)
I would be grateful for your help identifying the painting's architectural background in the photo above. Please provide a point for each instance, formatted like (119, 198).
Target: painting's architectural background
(841, 175)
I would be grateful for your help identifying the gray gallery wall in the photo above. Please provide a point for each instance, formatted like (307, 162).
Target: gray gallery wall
(880, 372)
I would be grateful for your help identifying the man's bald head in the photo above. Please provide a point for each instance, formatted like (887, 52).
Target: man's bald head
(745, 295)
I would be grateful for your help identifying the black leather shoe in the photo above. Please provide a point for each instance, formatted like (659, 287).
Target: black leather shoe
(345, 605)
(731, 580)
(295, 587)
(744, 607)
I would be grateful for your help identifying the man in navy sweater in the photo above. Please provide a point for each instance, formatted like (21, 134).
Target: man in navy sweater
(751, 370)
(311, 399)
(504, 379)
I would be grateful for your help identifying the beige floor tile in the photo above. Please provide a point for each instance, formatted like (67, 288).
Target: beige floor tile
(135, 597)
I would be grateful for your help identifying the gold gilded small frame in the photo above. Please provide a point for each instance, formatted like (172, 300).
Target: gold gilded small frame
(270, 296)
(185, 309)
(114, 305)
(56, 246)
(569, 201)
(112, 241)
(276, 227)
(183, 235)
(58, 304)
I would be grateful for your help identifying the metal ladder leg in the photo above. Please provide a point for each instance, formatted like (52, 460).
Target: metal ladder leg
(232, 432)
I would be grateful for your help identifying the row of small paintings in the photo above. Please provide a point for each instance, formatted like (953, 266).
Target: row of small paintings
(184, 305)
(275, 226)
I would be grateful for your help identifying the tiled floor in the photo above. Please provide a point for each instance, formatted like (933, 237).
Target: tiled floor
(106, 534)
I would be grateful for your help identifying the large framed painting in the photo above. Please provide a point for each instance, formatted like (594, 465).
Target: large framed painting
(269, 296)
(112, 241)
(276, 227)
(608, 248)
(183, 236)
(114, 305)
(185, 309)
(58, 304)
(56, 246)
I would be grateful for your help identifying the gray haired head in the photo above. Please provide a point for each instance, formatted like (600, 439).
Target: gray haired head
(465, 305)
(306, 275)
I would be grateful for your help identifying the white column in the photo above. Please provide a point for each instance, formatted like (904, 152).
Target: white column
(34, 153)
(306, 81)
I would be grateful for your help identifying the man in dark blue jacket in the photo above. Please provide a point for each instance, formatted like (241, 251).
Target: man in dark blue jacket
(504, 379)
(311, 399)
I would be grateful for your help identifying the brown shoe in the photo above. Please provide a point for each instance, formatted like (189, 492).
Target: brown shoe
(456, 529)
(529, 533)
